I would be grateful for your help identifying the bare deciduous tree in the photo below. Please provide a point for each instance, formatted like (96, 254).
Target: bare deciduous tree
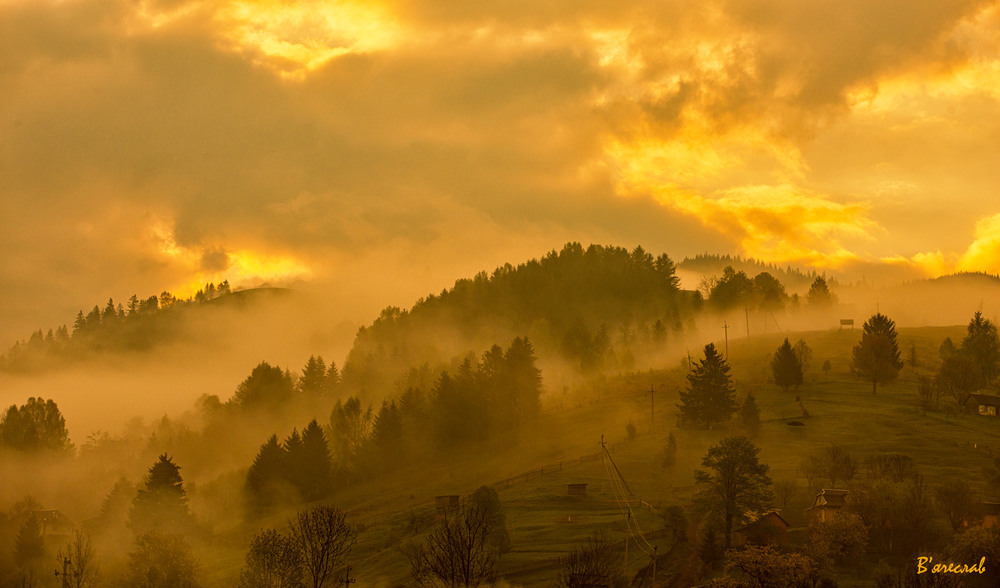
(325, 537)
(457, 552)
(273, 561)
(83, 567)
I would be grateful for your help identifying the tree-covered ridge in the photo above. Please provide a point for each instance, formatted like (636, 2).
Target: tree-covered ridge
(591, 306)
(136, 324)
(709, 264)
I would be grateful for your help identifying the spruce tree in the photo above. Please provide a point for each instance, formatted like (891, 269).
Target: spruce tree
(982, 346)
(786, 367)
(876, 356)
(162, 504)
(29, 546)
(266, 484)
(317, 467)
(710, 397)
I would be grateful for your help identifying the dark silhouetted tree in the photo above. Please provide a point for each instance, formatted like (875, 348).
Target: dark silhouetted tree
(387, 432)
(29, 546)
(958, 503)
(487, 499)
(273, 561)
(734, 289)
(457, 552)
(982, 346)
(597, 563)
(669, 457)
(786, 367)
(750, 416)
(710, 397)
(267, 484)
(947, 349)
(162, 505)
(317, 468)
(325, 537)
(313, 383)
(161, 560)
(819, 295)
(736, 482)
(876, 357)
(958, 376)
(36, 425)
(83, 567)
(267, 388)
(766, 568)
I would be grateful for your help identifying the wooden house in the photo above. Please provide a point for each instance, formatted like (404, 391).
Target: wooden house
(984, 404)
(768, 529)
(826, 505)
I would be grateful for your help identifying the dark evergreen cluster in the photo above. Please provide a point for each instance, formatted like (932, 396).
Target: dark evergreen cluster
(593, 306)
(300, 468)
(710, 397)
(482, 400)
(137, 324)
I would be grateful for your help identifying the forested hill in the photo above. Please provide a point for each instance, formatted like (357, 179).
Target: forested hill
(596, 308)
(710, 265)
(135, 325)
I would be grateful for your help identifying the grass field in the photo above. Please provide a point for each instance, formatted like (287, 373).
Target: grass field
(545, 523)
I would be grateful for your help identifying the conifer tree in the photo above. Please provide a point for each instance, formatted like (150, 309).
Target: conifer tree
(709, 397)
(982, 346)
(786, 367)
(162, 504)
(29, 546)
(750, 416)
(876, 357)
(266, 484)
(317, 468)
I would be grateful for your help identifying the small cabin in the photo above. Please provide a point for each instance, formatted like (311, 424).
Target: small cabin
(54, 523)
(826, 504)
(769, 529)
(984, 404)
(446, 505)
(576, 489)
(990, 513)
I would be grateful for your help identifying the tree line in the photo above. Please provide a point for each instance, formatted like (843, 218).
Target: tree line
(138, 323)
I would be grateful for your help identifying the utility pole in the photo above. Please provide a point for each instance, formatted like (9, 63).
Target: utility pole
(66, 574)
(347, 580)
(652, 419)
(725, 326)
(628, 521)
(655, 548)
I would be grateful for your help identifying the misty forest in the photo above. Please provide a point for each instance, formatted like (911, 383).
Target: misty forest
(581, 419)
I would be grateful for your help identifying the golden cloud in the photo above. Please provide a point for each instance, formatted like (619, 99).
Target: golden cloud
(983, 255)
(244, 266)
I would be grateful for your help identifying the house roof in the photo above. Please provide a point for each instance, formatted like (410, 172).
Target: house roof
(989, 508)
(829, 497)
(770, 517)
(52, 518)
(978, 398)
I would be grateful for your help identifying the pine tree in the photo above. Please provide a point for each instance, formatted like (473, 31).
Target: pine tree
(786, 367)
(819, 295)
(750, 416)
(710, 397)
(982, 346)
(318, 471)
(29, 546)
(162, 504)
(266, 483)
(876, 357)
(313, 383)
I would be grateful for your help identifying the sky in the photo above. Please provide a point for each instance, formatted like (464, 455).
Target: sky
(379, 150)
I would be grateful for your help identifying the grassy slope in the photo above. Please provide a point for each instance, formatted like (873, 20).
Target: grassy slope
(545, 523)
